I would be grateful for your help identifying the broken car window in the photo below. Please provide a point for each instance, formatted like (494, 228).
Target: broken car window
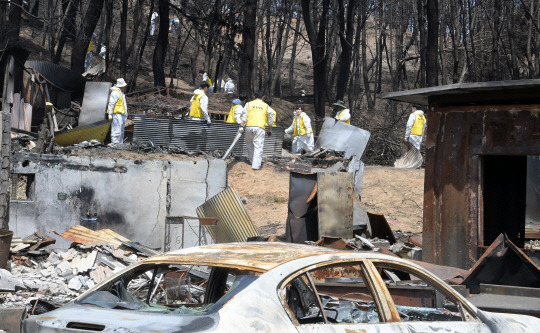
(343, 295)
(416, 298)
(180, 289)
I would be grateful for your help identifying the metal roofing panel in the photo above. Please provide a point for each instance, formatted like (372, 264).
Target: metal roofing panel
(233, 222)
(82, 235)
(468, 92)
(96, 131)
(60, 77)
(193, 135)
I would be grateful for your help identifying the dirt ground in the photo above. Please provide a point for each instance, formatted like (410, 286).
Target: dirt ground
(396, 193)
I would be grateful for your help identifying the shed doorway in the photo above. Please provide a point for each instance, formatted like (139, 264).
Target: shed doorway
(504, 188)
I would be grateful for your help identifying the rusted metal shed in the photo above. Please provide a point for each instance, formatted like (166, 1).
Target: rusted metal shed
(482, 166)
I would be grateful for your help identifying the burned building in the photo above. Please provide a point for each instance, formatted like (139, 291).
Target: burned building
(482, 174)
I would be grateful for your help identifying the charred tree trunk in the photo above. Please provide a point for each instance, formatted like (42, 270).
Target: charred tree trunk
(293, 56)
(317, 40)
(346, 33)
(123, 38)
(137, 63)
(247, 52)
(11, 34)
(158, 61)
(432, 72)
(422, 37)
(108, 28)
(68, 27)
(80, 44)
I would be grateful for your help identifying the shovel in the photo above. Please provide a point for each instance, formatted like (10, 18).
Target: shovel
(238, 135)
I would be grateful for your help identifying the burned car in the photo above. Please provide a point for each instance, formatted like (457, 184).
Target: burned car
(274, 287)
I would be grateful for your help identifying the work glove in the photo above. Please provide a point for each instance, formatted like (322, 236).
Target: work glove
(269, 133)
(241, 130)
(110, 117)
(208, 122)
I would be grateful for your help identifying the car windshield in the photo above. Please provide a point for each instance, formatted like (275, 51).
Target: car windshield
(178, 289)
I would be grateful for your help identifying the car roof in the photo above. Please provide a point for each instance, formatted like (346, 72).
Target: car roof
(258, 256)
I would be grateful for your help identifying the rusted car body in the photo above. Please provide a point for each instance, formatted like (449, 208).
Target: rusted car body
(274, 287)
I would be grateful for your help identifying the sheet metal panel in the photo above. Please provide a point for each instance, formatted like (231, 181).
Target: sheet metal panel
(95, 101)
(339, 136)
(233, 222)
(451, 189)
(197, 136)
(335, 204)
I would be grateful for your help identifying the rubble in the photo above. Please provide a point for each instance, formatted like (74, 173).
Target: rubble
(57, 276)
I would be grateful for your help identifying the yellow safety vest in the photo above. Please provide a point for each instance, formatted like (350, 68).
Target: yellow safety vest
(119, 106)
(274, 114)
(230, 117)
(196, 111)
(209, 81)
(418, 125)
(345, 121)
(90, 47)
(256, 115)
(303, 129)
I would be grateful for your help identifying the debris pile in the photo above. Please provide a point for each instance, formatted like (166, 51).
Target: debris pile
(58, 276)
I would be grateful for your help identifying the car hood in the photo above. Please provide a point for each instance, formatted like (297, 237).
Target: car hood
(507, 322)
(75, 317)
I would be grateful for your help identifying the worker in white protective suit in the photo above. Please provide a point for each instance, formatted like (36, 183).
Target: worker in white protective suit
(303, 134)
(229, 86)
(342, 113)
(153, 22)
(256, 115)
(117, 111)
(89, 53)
(206, 78)
(235, 113)
(199, 104)
(416, 125)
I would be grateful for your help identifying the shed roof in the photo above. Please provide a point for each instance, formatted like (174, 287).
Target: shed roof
(476, 93)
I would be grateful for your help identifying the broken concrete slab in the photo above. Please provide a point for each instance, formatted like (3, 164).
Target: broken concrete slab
(8, 282)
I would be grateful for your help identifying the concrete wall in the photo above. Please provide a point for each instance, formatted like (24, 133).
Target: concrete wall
(131, 197)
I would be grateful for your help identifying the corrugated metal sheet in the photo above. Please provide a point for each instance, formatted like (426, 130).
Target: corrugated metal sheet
(196, 136)
(96, 131)
(82, 235)
(60, 77)
(233, 222)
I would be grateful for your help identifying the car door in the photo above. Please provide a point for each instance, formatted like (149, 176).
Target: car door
(423, 302)
(336, 296)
